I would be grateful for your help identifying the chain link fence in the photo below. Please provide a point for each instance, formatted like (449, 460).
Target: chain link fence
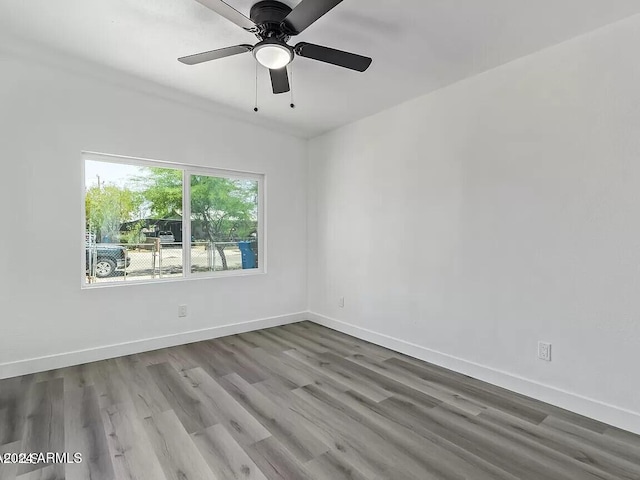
(108, 263)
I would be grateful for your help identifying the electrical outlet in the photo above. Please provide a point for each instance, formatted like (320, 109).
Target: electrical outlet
(341, 302)
(544, 351)
(182, 311)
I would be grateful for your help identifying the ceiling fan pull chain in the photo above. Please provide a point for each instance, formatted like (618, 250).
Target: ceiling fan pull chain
(292, 104)
(255, 108)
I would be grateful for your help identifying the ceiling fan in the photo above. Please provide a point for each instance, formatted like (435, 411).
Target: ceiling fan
(274, 23)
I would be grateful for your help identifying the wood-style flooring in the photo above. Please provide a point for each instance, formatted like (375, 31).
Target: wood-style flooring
(295, 402)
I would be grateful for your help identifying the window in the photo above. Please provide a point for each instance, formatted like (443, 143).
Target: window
(155, 221)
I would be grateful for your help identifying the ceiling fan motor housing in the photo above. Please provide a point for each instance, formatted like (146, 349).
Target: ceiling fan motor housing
(268, 15)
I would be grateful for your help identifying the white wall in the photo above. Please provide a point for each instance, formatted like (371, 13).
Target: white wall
(468, 224)
(48, 115)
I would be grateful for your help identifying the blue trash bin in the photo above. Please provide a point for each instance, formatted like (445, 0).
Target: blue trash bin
(248, 256)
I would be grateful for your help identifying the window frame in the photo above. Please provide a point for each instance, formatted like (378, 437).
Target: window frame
(187, 170)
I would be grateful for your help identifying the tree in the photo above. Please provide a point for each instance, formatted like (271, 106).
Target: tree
(223, 209)
(107, 207)
(162, 188)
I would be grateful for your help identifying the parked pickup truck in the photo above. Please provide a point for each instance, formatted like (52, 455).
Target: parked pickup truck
(166, 237)
(108, 258)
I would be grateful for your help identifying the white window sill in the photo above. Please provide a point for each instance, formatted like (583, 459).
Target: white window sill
(189, 278)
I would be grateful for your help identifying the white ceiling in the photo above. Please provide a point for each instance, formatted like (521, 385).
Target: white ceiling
(417, 47)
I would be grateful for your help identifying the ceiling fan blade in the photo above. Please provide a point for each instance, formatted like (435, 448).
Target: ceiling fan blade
(333, 56)
(230, 13)
(215, 54)
(280, 80)
(306, 13)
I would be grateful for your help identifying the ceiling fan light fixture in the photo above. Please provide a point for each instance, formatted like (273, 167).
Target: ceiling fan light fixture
(273, 55)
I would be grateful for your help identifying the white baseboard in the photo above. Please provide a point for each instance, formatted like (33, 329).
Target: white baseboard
(610, 414)
(61, 360)
(589, 407)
